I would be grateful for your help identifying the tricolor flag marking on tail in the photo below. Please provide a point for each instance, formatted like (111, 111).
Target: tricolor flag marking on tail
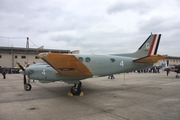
(147, 53)
(154, 45)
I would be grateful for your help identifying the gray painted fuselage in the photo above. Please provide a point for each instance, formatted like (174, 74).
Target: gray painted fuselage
(99, 65)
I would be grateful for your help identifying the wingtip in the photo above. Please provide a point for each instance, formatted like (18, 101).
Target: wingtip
(41, 55)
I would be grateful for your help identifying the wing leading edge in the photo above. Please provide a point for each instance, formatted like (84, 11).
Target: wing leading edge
(66, 64)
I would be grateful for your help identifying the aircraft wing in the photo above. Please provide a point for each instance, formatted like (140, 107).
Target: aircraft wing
(149, 59)
(66, 64)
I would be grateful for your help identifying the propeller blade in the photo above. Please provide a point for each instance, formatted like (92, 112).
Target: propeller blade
(22, 68)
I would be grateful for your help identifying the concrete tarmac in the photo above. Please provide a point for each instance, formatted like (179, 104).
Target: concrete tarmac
(144, 96)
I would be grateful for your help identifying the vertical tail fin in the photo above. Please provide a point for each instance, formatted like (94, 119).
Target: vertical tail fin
(148, 50)
(149, 47)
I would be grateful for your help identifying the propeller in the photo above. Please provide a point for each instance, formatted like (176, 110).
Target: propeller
(27, 86)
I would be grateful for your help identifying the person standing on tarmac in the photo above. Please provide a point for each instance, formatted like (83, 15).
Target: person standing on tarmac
(168, 70)
(4, 73)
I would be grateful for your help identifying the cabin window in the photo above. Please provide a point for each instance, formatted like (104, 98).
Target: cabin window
(16, 56)
(112, 59)
(81, 59)
(0, 56)
(87, 59)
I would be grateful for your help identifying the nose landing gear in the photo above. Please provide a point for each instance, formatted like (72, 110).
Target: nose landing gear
(27, 86)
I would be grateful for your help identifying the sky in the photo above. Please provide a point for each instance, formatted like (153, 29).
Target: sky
(90, 26)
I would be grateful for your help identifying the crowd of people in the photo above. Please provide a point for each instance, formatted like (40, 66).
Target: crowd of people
(5, 70)
(154, 69)
(10, 70)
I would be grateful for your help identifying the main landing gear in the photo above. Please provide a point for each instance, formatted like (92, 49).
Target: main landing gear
(76, 89)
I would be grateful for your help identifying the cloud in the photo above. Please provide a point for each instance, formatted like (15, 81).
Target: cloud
(101, 26)
(139, 7)
(159, 24)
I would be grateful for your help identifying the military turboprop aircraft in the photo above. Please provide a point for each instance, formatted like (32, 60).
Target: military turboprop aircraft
(72, 68)
(174, 68)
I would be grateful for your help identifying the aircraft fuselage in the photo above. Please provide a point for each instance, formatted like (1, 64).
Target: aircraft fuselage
(98, 65)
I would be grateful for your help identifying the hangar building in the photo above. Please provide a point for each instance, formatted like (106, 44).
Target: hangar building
(10, 55)
(171, 60)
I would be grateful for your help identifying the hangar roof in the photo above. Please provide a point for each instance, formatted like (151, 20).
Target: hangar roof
(172, 57)
(31, 50)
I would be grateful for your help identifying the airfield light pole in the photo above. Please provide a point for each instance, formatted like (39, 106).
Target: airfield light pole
(27, 47)
(124, 82)
(27, 43)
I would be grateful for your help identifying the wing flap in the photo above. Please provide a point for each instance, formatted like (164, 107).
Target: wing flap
(149, 59)
(66, 64)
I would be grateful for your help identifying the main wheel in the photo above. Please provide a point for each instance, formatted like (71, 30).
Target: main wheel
(27, 87)
(75, 91)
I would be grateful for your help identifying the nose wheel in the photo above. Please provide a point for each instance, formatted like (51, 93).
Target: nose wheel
(76, 89)
(27, 87)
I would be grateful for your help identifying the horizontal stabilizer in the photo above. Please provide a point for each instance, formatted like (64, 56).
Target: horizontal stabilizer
(149, 59)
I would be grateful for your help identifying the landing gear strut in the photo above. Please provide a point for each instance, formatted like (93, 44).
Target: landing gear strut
(76, 89)
(27, 86)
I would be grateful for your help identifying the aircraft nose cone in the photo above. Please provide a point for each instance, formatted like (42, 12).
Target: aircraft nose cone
(28, 71)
